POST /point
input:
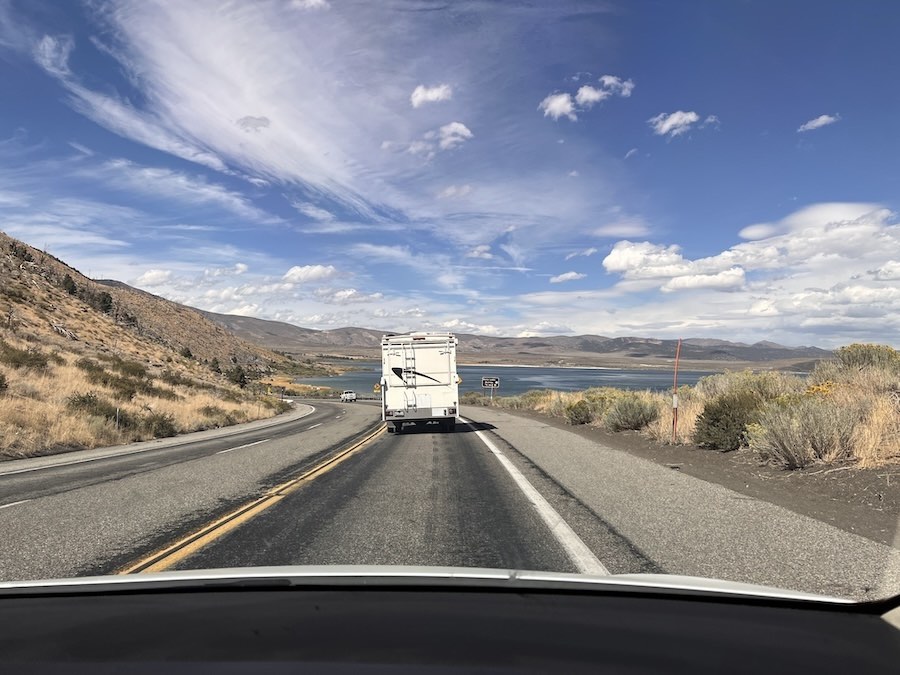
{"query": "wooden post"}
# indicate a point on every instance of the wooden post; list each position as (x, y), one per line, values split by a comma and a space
(675, 395)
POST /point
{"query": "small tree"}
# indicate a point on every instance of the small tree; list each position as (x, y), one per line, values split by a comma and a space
(214, 365)
(68, 284)
(186, 353)
(237, 376)
(4, 384)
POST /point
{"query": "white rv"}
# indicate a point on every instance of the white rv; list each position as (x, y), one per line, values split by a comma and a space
(419, 382)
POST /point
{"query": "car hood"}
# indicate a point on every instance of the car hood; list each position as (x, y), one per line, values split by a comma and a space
(408, 576)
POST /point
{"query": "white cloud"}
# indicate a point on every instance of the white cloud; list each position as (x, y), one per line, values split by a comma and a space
(310, 4)
(423, 94)
(306, 273)
(725, 280)
(809, 216)
(453, 134)
(482, 251)
(673, 124)
(819, 122)
(544, 328)
(237, 269)
(567, 276)
(584, 252)
(588, 96)
(711, 120)
(617, 86)
(562, 104)
(250, 123)
(458, 325)
(889, 271)
(153, 277)
(573, 173)
(346, 296)
(623, 228)
(631, 153)
(558, 105)
(455, 191)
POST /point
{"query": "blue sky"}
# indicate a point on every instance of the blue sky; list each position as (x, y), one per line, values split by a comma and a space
(714, 169)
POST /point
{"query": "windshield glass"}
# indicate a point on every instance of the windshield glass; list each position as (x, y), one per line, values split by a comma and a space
(588, 287)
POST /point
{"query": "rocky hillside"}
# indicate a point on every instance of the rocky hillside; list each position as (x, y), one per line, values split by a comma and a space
(85, 364)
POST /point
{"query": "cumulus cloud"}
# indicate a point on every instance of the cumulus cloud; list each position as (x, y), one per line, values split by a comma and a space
(584, 253)
(558, 105)
(563, 104)
(453, 134)
(889, 271)
(818, 122)
(544, 328)
(567, 276)
(726, 279)
(307, 273)
(153, 277)
(310, 4)
(346, 296)
(423, 94)
(483, 251)
(447, 137)
(673, 124)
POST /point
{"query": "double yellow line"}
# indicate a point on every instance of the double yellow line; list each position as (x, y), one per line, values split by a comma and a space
(186, 546)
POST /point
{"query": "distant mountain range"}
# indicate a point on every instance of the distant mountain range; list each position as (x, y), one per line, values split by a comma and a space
(557, 350)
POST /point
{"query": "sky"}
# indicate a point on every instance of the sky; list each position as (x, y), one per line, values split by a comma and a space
(693, 169)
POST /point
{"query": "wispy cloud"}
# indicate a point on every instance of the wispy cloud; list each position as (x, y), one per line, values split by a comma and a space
(583, 253)
(818, 122)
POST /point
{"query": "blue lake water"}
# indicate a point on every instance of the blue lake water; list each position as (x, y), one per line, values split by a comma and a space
(517, 379)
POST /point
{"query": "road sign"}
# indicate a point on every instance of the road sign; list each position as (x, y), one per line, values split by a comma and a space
(490, 382)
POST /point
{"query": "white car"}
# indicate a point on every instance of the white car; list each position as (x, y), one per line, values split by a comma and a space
(348, 396)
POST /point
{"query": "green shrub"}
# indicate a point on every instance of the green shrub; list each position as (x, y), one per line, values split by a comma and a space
(579, 412)
(186, 353)
(630, 411)
(68, 284)
(32, 358)
(159, 425)
(765, 386)
(4, 384)
(807, 430)
(175, 379)
(237, 375)
(723, 423)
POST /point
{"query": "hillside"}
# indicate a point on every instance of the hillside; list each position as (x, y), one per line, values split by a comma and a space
(583, 350)
(85, 364)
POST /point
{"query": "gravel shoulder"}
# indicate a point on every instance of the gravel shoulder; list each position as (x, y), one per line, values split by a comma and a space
(687, 522)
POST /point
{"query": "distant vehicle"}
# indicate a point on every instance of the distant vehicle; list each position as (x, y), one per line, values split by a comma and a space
(419, 382)
(348, 396)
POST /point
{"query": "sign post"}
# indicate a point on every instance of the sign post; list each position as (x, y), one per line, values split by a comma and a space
(490, 383)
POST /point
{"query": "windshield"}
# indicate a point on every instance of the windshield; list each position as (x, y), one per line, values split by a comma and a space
(587, 287)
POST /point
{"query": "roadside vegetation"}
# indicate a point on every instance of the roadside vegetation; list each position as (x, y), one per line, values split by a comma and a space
(847, 410)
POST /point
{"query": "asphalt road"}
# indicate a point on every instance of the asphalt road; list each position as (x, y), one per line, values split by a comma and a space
(99, 514)
(418, 498)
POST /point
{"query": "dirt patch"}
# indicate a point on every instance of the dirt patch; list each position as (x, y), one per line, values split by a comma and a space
(862, 501)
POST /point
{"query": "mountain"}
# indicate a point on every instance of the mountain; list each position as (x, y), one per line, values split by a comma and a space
(556, 350)
(84, 363)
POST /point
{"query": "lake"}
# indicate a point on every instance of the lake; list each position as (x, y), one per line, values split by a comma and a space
(518, 379)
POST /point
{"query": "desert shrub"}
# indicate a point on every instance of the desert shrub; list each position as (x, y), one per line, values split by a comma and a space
(175, 379)
(4, 384)
(186, 353)
(237, 375)
(723, 423)
(535, 397)
(765, 386)
(868, 356)
(93, 404)
(630, 411)
(89, 365)
(128, 368)
(212, 411)
(805, 431)
(159, 425)
(231, 396)
(31, 358)
(579, 412)
(472, 398)
(214, 365)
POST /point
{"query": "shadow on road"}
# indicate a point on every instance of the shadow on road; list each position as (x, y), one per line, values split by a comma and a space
(434, 428)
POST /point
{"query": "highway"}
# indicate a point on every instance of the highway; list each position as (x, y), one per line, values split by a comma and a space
(327, 486)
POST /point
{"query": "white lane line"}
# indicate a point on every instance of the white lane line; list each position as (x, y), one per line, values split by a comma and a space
(338, 417)
(246, 445)
(6, 506)
(583, 558)
(314, 426)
